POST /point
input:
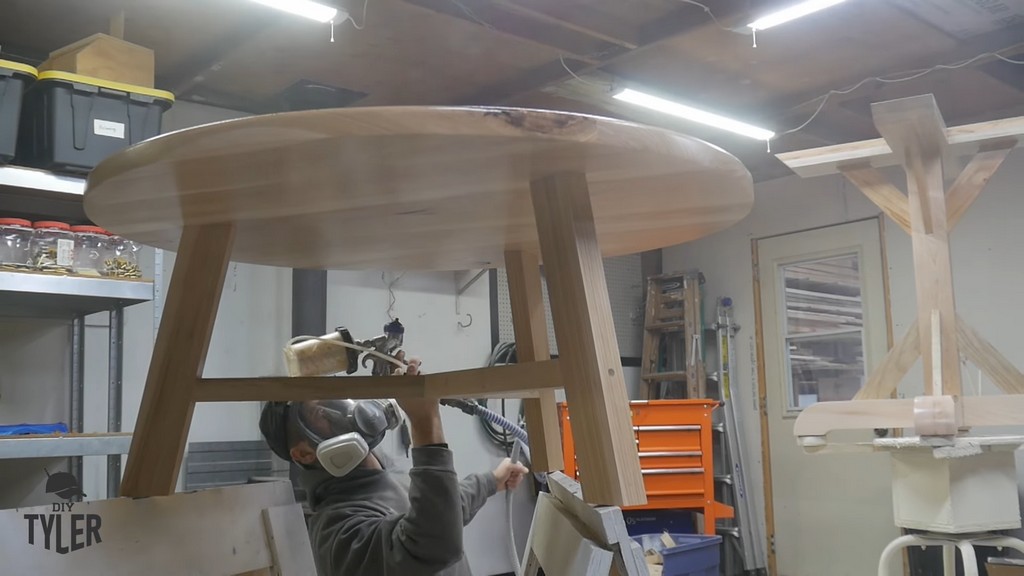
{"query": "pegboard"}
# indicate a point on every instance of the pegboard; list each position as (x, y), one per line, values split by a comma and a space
(625, 290)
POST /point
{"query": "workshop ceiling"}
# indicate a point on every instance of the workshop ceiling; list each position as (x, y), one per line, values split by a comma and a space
(241, 55)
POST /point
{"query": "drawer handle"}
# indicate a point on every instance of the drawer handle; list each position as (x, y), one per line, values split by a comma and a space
(688, 427)
(672, 471)
(666, 454)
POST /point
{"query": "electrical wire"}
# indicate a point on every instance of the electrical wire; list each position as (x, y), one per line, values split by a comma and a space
(573, 74)
(392, 299)
(502, 354)
(903, 77)
(709, 13)
(353, 20)
(472, 15)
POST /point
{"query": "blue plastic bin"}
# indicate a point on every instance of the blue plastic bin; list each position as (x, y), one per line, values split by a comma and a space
(693, 554)
(640, 522)
(24, 429)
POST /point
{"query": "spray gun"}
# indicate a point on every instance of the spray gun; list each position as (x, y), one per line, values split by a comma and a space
(337, 352)
(386, 346)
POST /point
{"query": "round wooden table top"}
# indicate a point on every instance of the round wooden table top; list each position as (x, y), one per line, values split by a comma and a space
(418, 188)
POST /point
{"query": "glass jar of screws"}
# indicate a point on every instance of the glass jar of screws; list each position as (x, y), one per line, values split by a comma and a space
(53, 247)
(123, 259)
(92, 250)
(15, 237)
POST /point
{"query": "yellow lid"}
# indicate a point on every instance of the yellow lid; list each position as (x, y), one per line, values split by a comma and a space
(19, 67)
(69, 77)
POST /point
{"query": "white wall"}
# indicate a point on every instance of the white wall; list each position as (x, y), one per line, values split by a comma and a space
(987, 274)
(34, 369)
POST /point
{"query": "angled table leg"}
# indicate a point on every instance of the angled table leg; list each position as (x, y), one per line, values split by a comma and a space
(527, 299)
(588, 352)
(178, 358)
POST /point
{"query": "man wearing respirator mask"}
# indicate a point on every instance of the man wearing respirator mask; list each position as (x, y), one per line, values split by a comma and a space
(366, 522)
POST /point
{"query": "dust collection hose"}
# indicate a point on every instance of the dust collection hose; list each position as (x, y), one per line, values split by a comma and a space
(474, 409)
(522, 441)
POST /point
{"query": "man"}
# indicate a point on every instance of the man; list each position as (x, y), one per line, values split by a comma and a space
(365, 522)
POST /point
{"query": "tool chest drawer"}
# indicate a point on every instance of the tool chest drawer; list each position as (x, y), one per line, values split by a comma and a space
(674, 443)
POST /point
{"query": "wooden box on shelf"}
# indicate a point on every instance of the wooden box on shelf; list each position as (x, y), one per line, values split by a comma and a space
(105, 57)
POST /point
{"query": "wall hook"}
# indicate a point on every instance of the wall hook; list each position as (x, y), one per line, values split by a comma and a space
(460, 289)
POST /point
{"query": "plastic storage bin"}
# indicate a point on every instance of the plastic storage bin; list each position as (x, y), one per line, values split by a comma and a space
(693, 554)
(53, 247)
(92, 250)
(71, 123)
(124, 259)
(14, 78)
(639, 522)
(15, 244)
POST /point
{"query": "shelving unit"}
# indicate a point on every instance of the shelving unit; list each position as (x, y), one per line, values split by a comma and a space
(71, 445)
(30, 192)
(32, 295)
(40, 194)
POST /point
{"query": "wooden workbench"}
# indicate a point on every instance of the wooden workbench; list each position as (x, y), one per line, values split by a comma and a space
(416, 188)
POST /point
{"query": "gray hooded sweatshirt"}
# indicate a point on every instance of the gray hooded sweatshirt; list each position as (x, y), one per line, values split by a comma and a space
(368, 523)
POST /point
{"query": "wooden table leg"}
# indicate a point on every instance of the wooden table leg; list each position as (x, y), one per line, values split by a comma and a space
(178, 358)
(588, 351)
(914, 129)
(527, 299)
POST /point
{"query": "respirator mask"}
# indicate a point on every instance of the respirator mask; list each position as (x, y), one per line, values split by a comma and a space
(344, 431)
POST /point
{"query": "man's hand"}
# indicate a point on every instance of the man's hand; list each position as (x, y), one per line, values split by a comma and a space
(424, 414)
(509, 474)
(419, 410)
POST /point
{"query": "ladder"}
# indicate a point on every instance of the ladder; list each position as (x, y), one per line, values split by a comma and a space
(673, 350)
(744, 531)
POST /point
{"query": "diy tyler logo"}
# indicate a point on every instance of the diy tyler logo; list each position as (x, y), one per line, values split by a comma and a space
(60, 532)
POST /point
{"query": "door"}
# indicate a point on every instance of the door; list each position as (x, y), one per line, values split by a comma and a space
(824, 327)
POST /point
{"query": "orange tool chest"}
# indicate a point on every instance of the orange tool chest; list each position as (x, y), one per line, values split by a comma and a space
(674, 438)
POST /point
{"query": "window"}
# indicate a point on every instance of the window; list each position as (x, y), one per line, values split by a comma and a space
(824, 329)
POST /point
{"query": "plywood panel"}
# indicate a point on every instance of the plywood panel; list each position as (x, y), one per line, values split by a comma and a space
(218, 531)
(556, 546)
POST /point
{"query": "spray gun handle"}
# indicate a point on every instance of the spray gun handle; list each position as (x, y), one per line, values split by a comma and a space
(468, 407)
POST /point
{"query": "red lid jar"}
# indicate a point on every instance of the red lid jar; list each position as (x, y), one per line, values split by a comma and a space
(15, 240)
(53, 247)
(93, 250)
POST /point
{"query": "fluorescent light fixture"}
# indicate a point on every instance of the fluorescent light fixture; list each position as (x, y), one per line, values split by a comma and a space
(693, 114)
(305, 8)
(792, 13)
